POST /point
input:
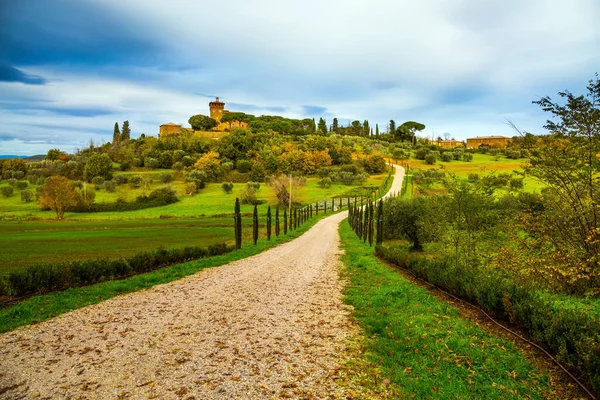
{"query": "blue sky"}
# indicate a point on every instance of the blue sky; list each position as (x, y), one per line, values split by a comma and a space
(70, 69)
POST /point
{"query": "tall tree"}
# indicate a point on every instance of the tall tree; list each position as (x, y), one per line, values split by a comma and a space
(366, 129)
(357, 128)
(201, 122)
(567, 161)
(59, 195)
(116, 134)
(322, 127)
(126, 131)
(377, 130)
(392, 127)
(98, 165)
(334, 126)
(408, 130)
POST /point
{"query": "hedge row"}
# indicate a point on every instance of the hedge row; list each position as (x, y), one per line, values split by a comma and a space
(571, 334)
(43, 278)
(157, 198)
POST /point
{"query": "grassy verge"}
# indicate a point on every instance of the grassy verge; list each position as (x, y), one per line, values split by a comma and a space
(41, 308)
(422, 348)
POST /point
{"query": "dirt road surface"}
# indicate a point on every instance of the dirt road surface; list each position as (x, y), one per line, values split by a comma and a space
(268, 326)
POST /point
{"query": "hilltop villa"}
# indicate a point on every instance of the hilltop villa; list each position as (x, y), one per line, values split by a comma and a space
(217, 110)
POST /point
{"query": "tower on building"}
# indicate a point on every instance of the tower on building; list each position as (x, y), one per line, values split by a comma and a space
(216, 109)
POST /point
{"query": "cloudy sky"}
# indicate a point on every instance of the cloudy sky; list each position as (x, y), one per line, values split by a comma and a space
(70, 69)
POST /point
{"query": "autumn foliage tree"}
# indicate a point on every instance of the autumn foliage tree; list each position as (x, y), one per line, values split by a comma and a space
(210, 164)
(568, 162)
(59, 195)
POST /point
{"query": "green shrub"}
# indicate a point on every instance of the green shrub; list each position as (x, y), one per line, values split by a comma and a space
(447, 156)
(165, 177)
(151, 163)
(7, 191)
(98, 182)
(21, 185)
(110, 186)
(26, 196)
(227, 187)
(570, 332)
(430, 158)
(516, 183)
(244, 166)
(190, 188)
(120, 179)
(325, 182)
(125, 165)
(43, 278)
(196, 176)
(374, 164)
(136, 181)
(468, 157)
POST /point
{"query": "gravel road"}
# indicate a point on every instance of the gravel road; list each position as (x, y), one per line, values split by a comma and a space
(268, 326)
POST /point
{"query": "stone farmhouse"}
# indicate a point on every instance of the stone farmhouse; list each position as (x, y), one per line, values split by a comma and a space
(499, 142)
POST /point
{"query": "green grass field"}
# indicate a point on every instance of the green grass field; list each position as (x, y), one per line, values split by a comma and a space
(23, 244)
(29, 235)
(420, 345)
(482, 164)
(211, 200)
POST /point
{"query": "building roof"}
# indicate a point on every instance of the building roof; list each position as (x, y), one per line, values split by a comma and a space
(172, 124)
(489, 137)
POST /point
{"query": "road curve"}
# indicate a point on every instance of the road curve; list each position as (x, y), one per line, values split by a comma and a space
(268, 326)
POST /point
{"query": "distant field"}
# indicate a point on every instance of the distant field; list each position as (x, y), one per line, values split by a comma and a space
(208, 201)
(26, 243)
(482, 164)
(34, 236)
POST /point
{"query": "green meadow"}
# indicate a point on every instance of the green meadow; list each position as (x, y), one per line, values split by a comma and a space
(481, 164)
(29, 235)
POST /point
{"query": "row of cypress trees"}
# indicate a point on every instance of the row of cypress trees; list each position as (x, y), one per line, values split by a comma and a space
(293, 221)
(364, 219)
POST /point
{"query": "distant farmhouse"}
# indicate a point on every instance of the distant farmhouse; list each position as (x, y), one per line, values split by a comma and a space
(449, 144)
(499, 142)
(217, 110)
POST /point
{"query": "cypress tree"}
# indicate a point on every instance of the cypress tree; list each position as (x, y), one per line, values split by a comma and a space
(370, 225)
(255, 225)
(269, 223)
(116, 134)
(380, 223)
(377, 130)
(126, 131)
(277, 222)
(237, 220)
(285, 221)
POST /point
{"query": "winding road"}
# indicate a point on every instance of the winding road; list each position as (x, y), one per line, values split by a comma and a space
(269, 326)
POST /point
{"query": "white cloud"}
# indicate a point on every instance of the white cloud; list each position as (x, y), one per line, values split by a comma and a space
(376, 60)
